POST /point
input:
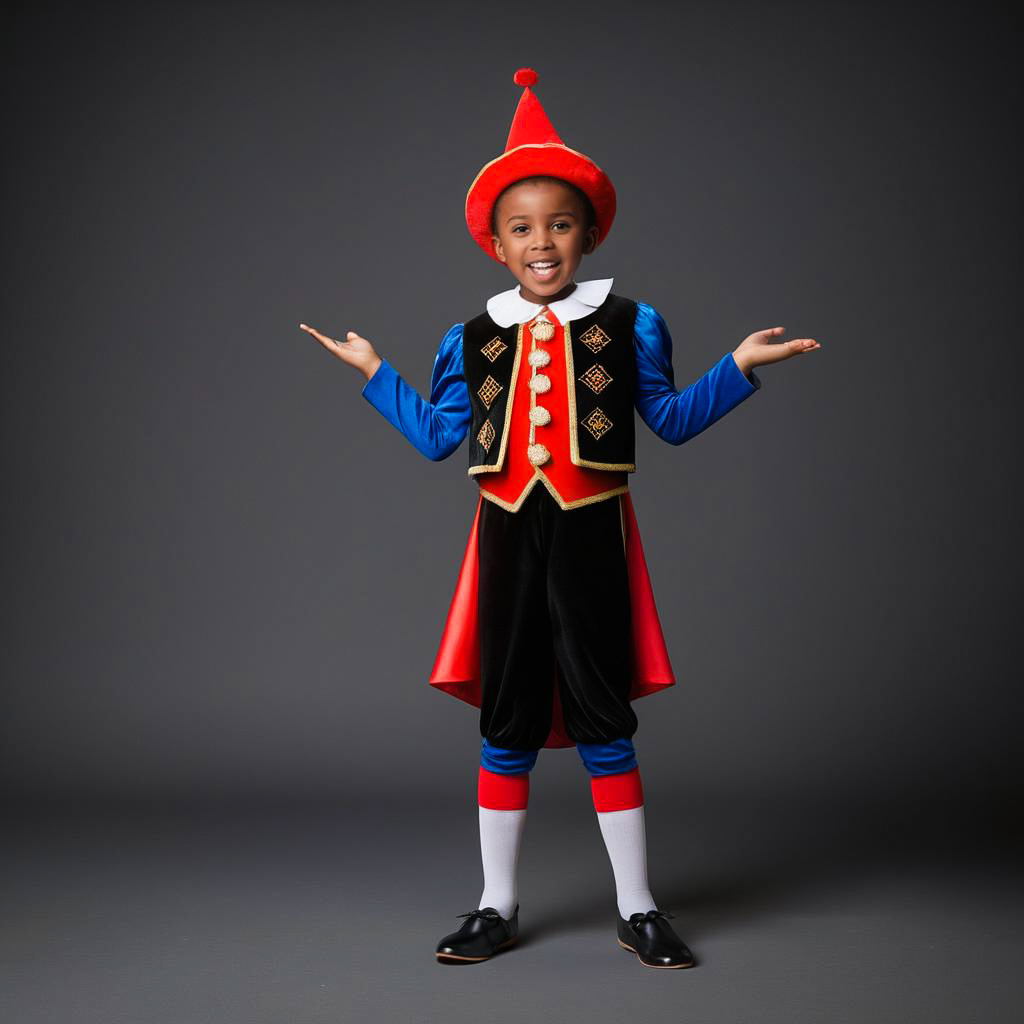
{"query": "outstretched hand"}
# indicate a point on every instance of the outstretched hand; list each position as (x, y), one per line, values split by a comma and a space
(759, 348)
(355, 351)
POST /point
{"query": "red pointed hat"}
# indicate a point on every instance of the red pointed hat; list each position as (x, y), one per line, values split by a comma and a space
(533, 147)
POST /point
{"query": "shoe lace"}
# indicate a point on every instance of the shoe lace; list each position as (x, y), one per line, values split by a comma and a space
(653, 915)
(487, 915)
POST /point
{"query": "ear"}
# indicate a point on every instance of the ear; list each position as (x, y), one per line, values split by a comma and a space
(590, 240)
(499, 249)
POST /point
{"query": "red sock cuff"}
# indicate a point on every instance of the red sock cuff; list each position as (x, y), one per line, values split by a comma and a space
(502, 792)
(617, 792)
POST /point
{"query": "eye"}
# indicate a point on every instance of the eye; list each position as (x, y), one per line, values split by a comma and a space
(516, 231)
(561, 223)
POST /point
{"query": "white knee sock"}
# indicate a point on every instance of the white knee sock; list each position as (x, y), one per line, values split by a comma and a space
(626, 841)
(501, 833)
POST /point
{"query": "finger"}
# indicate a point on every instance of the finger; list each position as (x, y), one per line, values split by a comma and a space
(765, 336)
(795, 347)
(312, 330)
(322, 338)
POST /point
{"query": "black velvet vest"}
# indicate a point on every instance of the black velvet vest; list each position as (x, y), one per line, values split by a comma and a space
(600, 361)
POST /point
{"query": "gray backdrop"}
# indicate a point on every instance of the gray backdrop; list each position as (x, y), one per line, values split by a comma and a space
(226, 572)
(227, 575)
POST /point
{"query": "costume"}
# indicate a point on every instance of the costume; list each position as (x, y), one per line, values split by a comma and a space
(553, 630)
(437, 427)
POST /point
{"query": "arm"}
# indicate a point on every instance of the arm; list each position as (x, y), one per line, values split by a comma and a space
(435, 428)
(677, 416)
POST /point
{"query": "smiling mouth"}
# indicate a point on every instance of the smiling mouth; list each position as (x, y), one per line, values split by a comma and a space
(544, 270)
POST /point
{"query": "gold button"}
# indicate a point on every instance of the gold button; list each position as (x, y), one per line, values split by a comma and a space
(537, 454)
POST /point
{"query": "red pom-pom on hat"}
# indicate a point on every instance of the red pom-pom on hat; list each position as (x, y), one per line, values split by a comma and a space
(525, 76)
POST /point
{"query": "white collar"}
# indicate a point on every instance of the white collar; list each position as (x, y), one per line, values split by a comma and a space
(508, 308)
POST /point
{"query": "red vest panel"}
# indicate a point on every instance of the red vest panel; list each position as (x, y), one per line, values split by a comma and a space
(570, 485)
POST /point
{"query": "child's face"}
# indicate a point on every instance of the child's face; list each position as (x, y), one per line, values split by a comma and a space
(542, 222)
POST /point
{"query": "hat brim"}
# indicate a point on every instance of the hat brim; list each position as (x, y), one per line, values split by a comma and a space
(554, 159)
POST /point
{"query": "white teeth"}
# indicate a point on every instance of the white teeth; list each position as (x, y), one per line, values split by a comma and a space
(540, 266)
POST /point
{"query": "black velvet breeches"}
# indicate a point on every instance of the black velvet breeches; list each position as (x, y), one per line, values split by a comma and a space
(553, 589)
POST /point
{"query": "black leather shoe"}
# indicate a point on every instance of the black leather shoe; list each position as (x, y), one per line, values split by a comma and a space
(483, 934)
(651, 937)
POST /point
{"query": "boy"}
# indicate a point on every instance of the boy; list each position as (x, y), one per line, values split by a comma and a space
(553, 631)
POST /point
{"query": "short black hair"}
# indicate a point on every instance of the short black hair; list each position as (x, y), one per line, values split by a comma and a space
(589, 217)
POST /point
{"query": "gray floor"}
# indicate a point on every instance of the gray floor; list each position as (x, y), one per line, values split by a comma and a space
(301, 914)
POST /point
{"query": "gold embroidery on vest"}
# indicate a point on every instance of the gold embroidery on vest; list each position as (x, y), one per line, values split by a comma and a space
(597, 423)
(494, 348)
(594, 338)
(486, 435)
(574, 443)
(499, 461)
(489, 391)
(597, 378)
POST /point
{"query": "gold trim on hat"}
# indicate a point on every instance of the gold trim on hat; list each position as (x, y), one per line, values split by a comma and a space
(531, 145)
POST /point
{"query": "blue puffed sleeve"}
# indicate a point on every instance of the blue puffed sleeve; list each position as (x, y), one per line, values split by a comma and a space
(676, 416)
(438, 427)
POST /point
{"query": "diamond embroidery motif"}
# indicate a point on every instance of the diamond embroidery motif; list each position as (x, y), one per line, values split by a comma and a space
(489, 391)
(597, 423)
(494, 348)
(594, 338)
(597, 378)
(486, 435)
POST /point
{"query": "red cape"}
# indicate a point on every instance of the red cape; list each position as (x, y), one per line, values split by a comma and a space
(457, 665)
